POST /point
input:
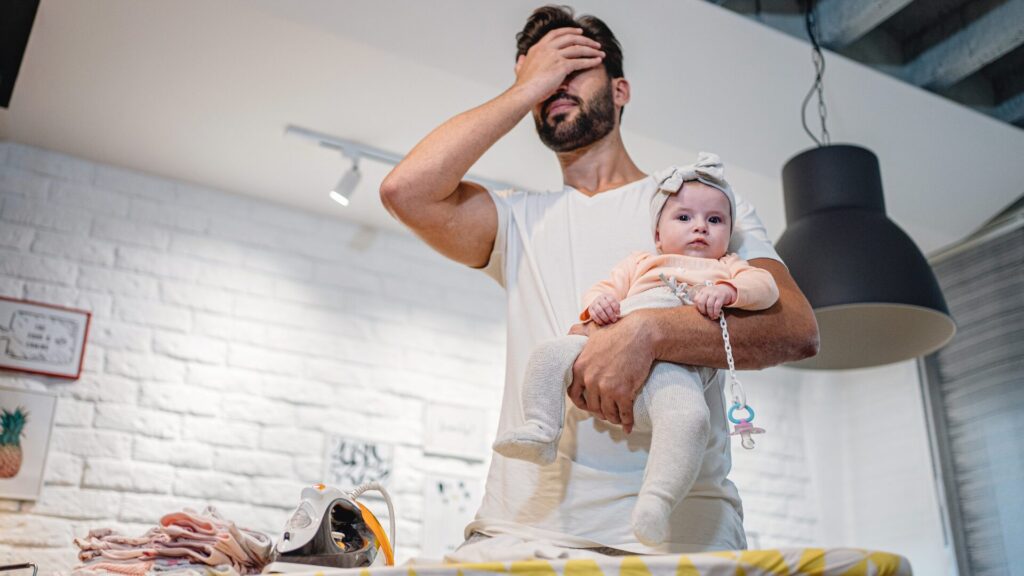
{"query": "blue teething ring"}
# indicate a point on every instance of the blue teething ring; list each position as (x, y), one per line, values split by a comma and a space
(736, 406)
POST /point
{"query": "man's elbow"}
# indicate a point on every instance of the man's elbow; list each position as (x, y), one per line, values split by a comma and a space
(803, 341)
(791, 345)
(391, 194)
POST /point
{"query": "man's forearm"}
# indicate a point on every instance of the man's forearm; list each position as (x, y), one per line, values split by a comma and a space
(426, 192)
(432, 171)
(786, 332)
(683, 336)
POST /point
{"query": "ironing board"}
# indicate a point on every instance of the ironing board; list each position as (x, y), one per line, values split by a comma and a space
(777, 562)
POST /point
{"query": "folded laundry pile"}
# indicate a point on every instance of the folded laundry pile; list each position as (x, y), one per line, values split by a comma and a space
(185, 543)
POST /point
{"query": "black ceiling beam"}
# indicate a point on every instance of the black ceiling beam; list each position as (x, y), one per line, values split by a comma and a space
(975, 46)
(843, 22)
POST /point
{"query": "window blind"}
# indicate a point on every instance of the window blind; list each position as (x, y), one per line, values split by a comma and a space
(974, 390)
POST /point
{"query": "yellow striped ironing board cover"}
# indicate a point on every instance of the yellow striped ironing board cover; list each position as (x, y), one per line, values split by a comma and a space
(776, 562)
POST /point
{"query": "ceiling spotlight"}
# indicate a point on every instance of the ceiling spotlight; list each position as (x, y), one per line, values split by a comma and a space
(343, 190)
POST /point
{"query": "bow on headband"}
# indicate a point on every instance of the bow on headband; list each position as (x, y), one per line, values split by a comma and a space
(708, 169)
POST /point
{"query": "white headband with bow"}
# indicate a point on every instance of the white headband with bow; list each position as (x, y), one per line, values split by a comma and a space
(707, 169)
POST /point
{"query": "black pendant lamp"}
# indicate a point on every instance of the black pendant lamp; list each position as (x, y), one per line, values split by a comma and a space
(874, 295)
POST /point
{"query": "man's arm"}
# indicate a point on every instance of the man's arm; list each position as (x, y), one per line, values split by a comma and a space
(615, 363)
(425, 191)
(786, 332)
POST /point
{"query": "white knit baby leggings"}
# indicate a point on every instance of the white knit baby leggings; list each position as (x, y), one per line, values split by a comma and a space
(671, 405)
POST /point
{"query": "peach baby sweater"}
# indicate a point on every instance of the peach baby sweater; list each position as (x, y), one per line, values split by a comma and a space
(638, 272)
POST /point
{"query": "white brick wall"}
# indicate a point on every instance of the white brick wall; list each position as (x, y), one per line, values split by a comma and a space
(774, 478)
(230, 336)
(875, 476)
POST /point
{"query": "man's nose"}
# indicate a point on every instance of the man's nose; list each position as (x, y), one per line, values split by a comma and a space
(564, 86)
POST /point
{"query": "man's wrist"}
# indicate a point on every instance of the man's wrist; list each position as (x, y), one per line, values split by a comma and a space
(522, 95)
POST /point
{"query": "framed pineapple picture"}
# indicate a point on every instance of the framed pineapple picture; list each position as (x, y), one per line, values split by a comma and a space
(26, 423)
(42, 338)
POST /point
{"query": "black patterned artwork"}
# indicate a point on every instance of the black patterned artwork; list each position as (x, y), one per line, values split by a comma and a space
(350, 462)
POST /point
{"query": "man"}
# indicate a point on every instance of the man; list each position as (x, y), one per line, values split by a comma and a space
(546, 249)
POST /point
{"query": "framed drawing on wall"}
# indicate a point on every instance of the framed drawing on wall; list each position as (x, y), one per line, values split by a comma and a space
(26, 423)
(350, 462)
(458, 431)
(42, 338)
(449, 504)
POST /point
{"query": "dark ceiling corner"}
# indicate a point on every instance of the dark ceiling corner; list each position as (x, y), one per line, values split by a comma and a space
(16, 18)
(969, 51)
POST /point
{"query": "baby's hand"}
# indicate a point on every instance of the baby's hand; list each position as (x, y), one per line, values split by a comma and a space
(604, 309)
(711, 299)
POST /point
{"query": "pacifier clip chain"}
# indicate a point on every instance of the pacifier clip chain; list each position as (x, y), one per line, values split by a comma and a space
(744, 427)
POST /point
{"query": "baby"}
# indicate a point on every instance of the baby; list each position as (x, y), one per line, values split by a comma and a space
(693, 216)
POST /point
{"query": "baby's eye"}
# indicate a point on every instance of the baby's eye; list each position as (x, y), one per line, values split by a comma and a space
(684, 217)
(715, 219)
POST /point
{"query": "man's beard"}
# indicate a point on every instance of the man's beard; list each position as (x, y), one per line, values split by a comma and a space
(594, 120)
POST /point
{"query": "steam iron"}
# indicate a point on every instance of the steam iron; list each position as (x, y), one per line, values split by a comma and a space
(331, 529)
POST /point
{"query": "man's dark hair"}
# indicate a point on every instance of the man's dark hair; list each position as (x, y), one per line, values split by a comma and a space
(548, 18)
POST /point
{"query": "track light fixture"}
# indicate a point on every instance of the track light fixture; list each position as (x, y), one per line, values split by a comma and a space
(342, 191)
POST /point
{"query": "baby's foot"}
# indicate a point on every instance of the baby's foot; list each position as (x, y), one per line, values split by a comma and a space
(650, 519)
(531, 442)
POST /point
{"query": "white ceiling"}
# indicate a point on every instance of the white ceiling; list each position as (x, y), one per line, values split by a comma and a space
(201, 90)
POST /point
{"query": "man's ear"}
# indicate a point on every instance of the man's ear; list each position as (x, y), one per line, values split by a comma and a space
(620, 91)
(519, 63)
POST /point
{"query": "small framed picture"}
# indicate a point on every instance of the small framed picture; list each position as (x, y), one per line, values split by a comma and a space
(449, 503)
(350, 462)
(26, 423)
(457, 431)
(42, 338)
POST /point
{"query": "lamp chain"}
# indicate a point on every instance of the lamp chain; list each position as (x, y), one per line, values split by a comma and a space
(811, 21)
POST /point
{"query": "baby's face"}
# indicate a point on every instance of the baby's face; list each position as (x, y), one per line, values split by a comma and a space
(695, 222)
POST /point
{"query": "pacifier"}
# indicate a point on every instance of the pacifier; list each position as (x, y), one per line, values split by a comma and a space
(743, 427)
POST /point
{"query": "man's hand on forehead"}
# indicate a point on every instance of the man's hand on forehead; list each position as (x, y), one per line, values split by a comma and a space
(558, 54)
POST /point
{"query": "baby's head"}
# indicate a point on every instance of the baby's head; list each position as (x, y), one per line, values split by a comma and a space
(696, 218)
